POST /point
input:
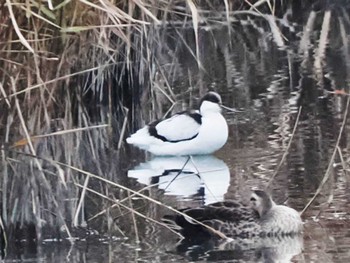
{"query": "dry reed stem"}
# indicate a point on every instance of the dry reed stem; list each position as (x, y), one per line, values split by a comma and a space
(91, 144)
(16, 27)
(199, 175)
(24, 126)
(286, 152)
(122, 200)
(276, 32)
(31, 147)
(200, 66)
(81, 200)
(170, 109)
(4, 171)
(170, 97)
(272, 8)
(129, 209)
(181, 170)
(227, 8)
(125, 122)
(60, 5)
(331, 161)
(37, 5)
(115, 13)
(194, 13)
(132, 210)
(146, 11)
(214, 231)
(30, 88)
(344, 165)
(4, 236)
(40, 17)
(221, 235)
(253, 7)
(258, 3)
(3, 92)
(23, 142)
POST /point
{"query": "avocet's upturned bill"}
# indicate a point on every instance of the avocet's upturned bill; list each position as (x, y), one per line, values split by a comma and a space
(186, 133)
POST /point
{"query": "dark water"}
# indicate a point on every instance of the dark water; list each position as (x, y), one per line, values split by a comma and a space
(269, 84)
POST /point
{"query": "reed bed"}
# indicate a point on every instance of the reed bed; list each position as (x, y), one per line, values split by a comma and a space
(74, 78)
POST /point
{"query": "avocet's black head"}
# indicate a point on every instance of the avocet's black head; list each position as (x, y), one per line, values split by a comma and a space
(261, 202)
(212, 97)
(210, 103)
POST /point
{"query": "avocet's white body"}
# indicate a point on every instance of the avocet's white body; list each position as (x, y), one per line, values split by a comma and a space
(189, 133)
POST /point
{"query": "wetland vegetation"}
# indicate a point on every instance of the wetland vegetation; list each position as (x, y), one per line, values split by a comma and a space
(77, 77)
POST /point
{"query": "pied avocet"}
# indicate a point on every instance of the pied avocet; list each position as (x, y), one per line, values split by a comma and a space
(186, 133)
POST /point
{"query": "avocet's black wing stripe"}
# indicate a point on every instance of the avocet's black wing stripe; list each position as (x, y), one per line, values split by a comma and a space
(180, 127)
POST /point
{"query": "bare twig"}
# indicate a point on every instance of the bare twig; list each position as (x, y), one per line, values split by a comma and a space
(121, 137)
(32, 150)
(81, 200)
(4, 236)
(214, 231)
(286, 152)
(128, 208)
(331, 161)
(181, 170)
(132, 210)
(120, 201)
(25, 141)
(57, 79)
(342, 161)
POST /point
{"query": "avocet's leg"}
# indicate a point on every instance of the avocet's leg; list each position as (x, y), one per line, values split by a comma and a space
(203, 182)
(194, 164)
(180, 171)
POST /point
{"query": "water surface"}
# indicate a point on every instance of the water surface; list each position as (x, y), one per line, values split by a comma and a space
(270, 84)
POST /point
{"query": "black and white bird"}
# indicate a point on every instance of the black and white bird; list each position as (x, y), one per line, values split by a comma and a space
(261, 218)
(186, 133)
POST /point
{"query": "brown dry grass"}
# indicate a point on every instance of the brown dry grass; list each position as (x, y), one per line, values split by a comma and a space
(59, 64)
(72, 76)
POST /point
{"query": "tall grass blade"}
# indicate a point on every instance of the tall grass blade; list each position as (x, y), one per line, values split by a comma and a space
(195, 17)
(17, 29)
